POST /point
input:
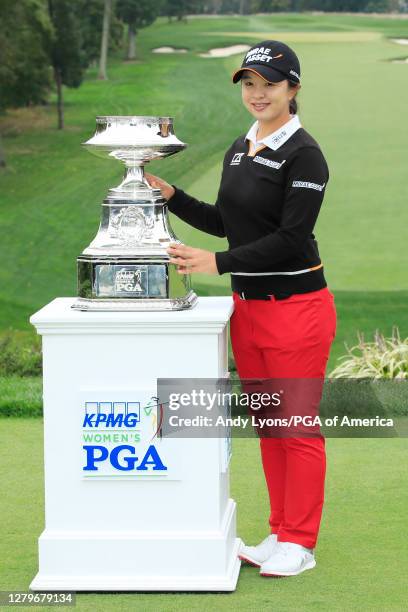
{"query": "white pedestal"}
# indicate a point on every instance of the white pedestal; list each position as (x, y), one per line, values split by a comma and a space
(107, 529)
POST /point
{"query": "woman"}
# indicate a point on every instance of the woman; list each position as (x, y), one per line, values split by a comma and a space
(284, 321)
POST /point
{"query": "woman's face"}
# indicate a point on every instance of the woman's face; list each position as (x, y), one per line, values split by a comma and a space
(265, 101)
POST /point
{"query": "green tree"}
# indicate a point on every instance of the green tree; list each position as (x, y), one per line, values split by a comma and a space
(107, 17)
(274, 6)
(181, 8)
(90, 13)
(136, 14)
(25, 76)
(377, 6)
(66, 52)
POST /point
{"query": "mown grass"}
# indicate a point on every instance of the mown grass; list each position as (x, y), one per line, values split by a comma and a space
(360, 557)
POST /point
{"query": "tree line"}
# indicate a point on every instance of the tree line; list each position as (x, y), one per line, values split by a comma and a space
(46, 44)
(52, 42)
(247, 7)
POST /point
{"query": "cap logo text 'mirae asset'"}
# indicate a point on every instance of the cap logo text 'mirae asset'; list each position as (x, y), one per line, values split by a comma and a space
(260, 54)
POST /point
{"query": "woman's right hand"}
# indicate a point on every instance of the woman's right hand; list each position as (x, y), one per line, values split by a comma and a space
(156, 182)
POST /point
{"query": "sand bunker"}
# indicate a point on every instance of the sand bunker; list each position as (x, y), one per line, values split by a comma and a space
(400, 41)
(226, 51)
(400, 61)
(168, 50)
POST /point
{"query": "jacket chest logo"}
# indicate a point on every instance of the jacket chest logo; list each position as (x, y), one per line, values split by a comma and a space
(236, 160)
(268, 162)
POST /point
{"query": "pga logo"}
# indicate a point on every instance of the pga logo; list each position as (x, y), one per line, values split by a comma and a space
(122, 458)
(104, 425)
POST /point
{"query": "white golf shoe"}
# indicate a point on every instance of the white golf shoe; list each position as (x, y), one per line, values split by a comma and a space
(255, 555)
(288, 559)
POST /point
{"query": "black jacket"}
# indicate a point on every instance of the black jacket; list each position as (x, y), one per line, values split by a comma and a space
(267, 207)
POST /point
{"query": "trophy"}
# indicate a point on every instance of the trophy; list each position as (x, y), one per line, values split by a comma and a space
(126, 266)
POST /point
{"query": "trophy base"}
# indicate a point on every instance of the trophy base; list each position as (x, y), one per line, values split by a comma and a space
(123, 283)
(139, 304)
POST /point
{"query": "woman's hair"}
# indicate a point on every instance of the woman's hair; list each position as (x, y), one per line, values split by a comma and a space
(293, 105)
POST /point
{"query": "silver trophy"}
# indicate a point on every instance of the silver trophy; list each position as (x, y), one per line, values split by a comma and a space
(126, 266)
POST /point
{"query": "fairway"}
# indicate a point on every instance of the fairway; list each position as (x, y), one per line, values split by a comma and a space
(52, 188)
(361, 563)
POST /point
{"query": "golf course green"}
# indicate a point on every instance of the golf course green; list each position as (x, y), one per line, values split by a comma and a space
(353, 101)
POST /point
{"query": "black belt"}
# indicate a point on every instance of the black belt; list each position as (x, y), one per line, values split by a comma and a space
(253, 295)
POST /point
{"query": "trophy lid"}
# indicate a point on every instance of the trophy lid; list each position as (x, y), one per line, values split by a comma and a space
(134, 138)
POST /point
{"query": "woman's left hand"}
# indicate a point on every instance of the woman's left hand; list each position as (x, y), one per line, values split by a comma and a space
(189, 259)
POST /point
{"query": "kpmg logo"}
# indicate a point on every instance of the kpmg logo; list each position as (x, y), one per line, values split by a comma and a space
(117, 439)
(111, 414)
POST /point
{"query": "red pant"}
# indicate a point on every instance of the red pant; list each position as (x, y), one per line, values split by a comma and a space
(288, 338)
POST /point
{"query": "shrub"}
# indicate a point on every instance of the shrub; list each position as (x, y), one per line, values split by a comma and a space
(382, 358)
(20, 354)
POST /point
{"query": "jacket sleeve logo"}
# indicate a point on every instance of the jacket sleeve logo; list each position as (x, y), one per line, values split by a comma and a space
(308, 185)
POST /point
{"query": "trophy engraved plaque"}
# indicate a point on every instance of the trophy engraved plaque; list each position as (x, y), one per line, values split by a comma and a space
(126, 266)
